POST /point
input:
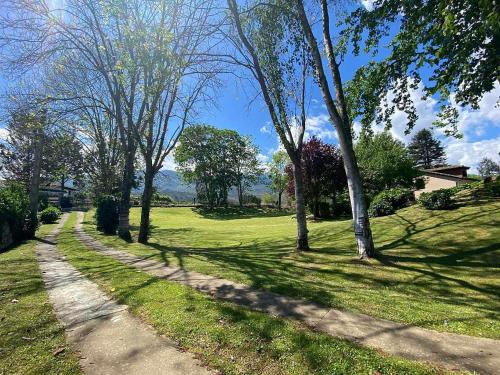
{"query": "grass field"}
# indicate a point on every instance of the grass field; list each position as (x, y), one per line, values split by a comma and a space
(230, 338)
(31, 338)
(436, 269)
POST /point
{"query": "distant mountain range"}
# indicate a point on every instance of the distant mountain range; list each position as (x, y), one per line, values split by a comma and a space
(169, 182)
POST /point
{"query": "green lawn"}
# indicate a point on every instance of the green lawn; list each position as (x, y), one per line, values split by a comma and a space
(437, 269)
(228, 337)
(31, 337)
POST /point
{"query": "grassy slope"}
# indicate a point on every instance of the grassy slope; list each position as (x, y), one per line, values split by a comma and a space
(226, 336)
(29, 330)
(437, 269)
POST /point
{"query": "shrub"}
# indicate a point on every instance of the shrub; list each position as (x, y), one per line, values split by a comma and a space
(50, 215)
(388, 201)
(493, 187)
(324, 209)
(342, 205)
(251, 199)
(43, 201)
(107, 214)
(14, 209)
(436, 200)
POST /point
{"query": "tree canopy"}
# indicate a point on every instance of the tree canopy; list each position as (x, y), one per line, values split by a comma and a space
(385, 163)
(426, 150)
(215, 160)
(456, 40)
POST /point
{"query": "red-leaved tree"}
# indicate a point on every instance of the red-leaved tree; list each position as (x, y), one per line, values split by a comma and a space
(323, 173)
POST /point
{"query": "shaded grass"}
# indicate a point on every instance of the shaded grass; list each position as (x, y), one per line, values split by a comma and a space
(228, 337)
(29, 330)
(436, 269)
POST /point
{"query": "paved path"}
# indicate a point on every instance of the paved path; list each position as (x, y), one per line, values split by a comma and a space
(445, 349)
(108, 338)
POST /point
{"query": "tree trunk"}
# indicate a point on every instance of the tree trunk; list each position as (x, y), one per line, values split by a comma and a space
(302, 238)
(126, 188)
(339, 116)
(279, 200)
(361, 223)
(240, 194)
(146, 205)
(35, 184)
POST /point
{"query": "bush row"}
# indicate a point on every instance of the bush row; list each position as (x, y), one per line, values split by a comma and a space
(388, 201)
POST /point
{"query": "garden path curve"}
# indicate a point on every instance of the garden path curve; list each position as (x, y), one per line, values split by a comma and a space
(107, 337)
(449, 350)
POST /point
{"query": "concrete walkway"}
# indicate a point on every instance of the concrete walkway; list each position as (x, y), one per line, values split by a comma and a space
(108, 338)
(444, 349)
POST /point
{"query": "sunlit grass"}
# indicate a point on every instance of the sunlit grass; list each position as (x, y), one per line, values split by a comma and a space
(226, 336)
(436, 269)
(29, 330)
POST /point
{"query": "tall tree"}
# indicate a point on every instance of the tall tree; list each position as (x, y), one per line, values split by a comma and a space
(444, 45)
(426, 150)
(488, 167)
(278, 175)
(323, 173)
(246, 166)
(66, 156)
(23, 156)
(385, 163)
(338, 111)
(216, 160)
(275, 54)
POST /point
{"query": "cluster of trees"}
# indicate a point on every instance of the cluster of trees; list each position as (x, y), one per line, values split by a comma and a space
(216, 160)
(129, 76)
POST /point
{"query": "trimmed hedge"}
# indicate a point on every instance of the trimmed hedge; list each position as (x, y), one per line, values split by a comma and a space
(437, 200)
(50, 215)
(14, 209)
(107, 214)
(388, 201)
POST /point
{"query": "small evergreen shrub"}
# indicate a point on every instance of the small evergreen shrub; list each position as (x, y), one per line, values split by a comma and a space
(493, 187)
(43, 202)
(14, 209)
(50, 215)
(388, 201)
(436, 200)
(107, 214)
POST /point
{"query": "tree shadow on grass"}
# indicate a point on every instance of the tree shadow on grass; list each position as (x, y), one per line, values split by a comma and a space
(231, 213)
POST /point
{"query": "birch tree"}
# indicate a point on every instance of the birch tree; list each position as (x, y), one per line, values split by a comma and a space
(275, 55)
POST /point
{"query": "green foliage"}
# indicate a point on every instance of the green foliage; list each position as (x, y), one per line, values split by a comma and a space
(384, 163)
(251, 199)
(341, 205)
(216, 160)
(452, 43)
(388, 201)
(488, 168)
(14, 209)
(162, 198)
(426, 150)
(50, 215)
(43, 201)
(493, 188)
(107, 214)
(436, 200)
(277, 173)
(66, 202)
(267, 198)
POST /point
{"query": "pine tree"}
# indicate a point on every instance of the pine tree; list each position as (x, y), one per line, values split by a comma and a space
(426, 150)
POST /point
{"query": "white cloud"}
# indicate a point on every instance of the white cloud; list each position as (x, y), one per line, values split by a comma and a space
(368, 4)
(4, 133)
(169, 163)
(321, 127)
(472, 124)
(471, 153)
(265, 129)
(263, 159)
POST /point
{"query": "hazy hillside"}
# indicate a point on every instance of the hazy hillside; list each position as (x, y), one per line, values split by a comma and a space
(169, 182)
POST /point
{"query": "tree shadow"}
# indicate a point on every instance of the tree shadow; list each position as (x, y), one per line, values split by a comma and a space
(231, 213)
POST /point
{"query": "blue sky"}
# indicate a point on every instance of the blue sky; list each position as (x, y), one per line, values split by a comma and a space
(480, 128)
